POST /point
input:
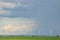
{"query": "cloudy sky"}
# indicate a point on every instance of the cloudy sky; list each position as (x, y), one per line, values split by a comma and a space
(29, 17)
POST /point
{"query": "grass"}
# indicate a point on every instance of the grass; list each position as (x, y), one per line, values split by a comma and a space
(28, 38)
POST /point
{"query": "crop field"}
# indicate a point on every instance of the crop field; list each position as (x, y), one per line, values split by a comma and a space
(28, 38)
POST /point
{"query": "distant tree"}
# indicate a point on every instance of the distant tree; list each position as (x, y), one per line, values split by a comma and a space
(57, 36)
(33, 36)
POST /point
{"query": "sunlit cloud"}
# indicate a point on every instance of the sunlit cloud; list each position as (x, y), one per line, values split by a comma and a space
(18, 26)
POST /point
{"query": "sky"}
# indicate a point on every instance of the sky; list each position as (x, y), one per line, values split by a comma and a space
(30, 17)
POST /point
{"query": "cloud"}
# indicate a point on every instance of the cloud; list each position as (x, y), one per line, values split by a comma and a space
(7, 4)
(17, 26)
(4, 12)
(12, 28)
(10, 5)
(4, 4)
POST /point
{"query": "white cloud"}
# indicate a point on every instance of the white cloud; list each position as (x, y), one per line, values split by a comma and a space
(10, 5)
(7, 4)
(4, 12)
(4, 4)
(17, 25)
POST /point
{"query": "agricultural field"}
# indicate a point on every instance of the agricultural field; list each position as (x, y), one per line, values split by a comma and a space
(28, 38)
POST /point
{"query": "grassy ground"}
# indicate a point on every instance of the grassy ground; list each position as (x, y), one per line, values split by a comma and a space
(28, 38)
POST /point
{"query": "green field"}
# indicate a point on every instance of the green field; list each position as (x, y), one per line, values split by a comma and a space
(28, 38)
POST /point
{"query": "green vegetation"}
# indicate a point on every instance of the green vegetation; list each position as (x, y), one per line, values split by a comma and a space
(28, 38)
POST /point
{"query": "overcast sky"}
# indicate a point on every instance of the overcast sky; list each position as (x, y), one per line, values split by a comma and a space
(29, 17)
